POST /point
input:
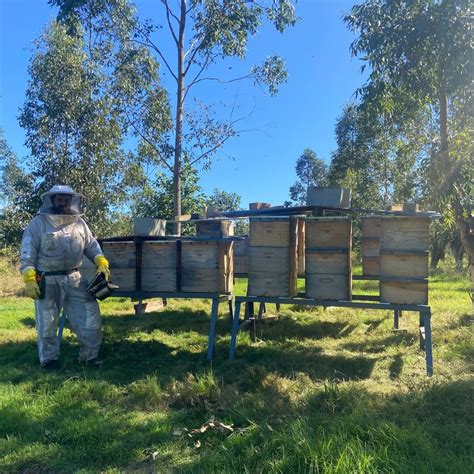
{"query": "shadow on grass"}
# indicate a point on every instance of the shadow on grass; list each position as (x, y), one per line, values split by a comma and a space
(339, 427)
(379, 345)
(28, 322)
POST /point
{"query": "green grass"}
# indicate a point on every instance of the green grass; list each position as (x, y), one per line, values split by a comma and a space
(331, 390)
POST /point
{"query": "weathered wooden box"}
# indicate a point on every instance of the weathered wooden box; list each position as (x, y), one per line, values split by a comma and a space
(327, 286)
(371, 227)
(159, 279)
(404, 292)
(328, 258)
(271, 284)
(405, 233)
(214, 228)
(206, 280)
(370, 247)
(371, 266)
(403, 264)
(328, 232)
(119, 254)
(269, 259)
(273, 256)
(327, 262)
(124, 278)
(207, 266)
(273, 232)
(159, 254)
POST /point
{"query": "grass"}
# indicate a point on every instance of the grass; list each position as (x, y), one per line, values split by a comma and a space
(328, 391)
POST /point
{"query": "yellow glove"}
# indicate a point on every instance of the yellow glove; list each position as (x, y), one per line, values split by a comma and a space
(103, 266)
(31, 286)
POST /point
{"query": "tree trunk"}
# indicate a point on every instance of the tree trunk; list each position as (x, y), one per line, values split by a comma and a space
(177, 169)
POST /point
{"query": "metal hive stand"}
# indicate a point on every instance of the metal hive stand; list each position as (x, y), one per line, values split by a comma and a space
(215, 297)
(423, 310)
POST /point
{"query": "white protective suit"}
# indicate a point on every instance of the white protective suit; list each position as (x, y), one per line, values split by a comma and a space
(57, 243)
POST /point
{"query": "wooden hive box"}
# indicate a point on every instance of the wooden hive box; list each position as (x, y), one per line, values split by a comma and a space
(327, 286)
(241, 257)
(119, 254)
(405, 233)
(159, 263)
(371, 231)
(121, 258)
(404, 259)
(273, 256)
(273, 232)
(333, 232)
(404, 264)
(404, 292)
(328, 258)
(332, 261)
(207, 266)
(215, 228)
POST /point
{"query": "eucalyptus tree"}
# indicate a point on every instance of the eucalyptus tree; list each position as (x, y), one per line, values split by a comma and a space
(310, 171)
(84, 93)
(203, 33)
(420, 54)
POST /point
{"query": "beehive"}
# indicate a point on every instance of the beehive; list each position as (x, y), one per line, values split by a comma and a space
(159, 263)
(241, 257)
(121, 258)
(328, 258)
(214, 228)
(371, 245)
(207, 266)
(404, 260)
(273, 256)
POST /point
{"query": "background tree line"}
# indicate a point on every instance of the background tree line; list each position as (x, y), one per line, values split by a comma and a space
(97, 115)
(408, 134)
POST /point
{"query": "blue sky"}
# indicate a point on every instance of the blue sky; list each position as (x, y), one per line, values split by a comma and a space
(259, 165)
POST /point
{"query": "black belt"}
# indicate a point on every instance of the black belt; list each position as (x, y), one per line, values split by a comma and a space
(61, 272)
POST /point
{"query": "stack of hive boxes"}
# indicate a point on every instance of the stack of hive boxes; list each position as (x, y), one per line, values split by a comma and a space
(204, 266)
(158, 269)
(272, 256)
(241, 257)
(404, 260)
(371, 245)
(207, 266)
(328, 258)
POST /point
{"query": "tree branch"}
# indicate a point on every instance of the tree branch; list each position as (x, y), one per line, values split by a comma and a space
(168, 14)
(143, 137)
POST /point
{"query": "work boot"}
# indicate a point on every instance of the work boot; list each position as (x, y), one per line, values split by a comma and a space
(51, 365)
(95, 363)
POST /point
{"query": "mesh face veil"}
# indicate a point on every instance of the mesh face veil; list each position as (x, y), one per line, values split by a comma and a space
(48, 206)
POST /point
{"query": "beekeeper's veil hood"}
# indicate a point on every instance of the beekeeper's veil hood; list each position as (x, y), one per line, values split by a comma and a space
(76, 200)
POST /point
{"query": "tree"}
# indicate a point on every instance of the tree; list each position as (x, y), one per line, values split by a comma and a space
(156, 198)
(80, 96)
(224, 201)
(310, 171)
(19, 204)
(420, 56)
(203, 33)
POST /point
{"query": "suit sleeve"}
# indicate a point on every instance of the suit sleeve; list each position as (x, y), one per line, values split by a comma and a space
(30, 245)
(91, 246)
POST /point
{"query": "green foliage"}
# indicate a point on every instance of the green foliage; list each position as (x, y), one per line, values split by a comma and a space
(156, 199)
(19, 203)
(224, 201)
(85, 96)
(310, 171)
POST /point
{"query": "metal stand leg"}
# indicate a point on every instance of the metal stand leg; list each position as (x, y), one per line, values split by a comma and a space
(428, 344)
(231, 311)
(235, 330)
(396, 316)
(212, 328)
(422, 332)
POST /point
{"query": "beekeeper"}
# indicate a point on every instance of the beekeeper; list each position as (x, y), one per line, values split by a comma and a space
(52, 249)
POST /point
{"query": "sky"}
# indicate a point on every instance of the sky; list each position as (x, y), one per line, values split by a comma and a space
(259, 165)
